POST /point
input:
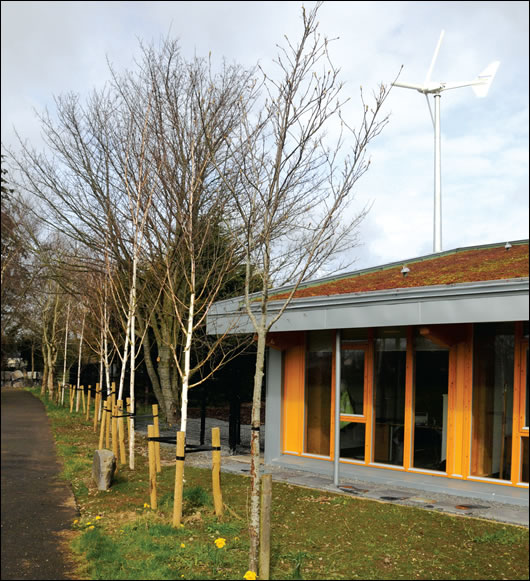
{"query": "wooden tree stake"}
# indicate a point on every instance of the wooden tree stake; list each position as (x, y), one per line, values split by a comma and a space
(104, 420)
(97, 403)
(265, 526)
(115, 447)
(216, 471)
(121, 432)
(179, 478)
(152, 467)
(157, 435)
(108, 423)
(128, 404)
(89, 394)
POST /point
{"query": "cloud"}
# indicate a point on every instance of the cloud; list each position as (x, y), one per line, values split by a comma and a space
(49, 48)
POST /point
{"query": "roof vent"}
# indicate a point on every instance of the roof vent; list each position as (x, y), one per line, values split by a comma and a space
(405, 270)
(507, 246)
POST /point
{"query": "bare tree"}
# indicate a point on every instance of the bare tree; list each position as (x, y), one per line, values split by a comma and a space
(194, 113)
(295, 183)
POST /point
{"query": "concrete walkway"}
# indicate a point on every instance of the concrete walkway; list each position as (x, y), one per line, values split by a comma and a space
(37, 507)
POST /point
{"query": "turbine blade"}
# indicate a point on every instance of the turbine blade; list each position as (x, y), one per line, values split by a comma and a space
(486, 78)
(408, 86)
(435, 56)
(430, 111)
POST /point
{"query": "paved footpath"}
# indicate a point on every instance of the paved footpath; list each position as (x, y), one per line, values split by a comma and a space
(37, 506)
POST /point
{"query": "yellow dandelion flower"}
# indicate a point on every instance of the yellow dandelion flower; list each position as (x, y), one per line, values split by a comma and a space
(91, 527)
(88, 523)
(146, 505)
(220, 542)
(76, 521)
(98, 517)
(182, 545)
(250, 576)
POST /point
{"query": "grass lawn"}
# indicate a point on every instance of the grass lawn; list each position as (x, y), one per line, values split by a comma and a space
(315, 535)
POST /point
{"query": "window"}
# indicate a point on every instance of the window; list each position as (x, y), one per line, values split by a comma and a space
(352, 401)
(492, 402)
(431, 379)
(389, 397)
(319, 356)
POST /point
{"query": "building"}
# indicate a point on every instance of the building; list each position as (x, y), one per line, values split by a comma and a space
(417, 367)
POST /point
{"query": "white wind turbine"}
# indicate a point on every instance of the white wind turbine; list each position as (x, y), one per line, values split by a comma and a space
(480, 86)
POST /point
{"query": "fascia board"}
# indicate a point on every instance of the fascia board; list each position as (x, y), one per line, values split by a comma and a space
(467, 302)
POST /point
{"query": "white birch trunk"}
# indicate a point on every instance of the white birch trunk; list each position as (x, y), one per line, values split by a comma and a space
(101, 364)
(106, 347)
(125, 357)
(187, 365)
(65, 351)
(133, 359)
(79, 363)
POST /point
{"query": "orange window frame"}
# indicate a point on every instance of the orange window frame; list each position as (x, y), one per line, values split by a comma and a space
(365, 418)
(519, 431)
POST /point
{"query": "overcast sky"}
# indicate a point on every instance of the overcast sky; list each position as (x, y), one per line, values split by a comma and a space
(49, 48)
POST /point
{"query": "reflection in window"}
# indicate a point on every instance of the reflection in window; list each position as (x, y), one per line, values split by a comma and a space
(352, 382)
(389, 398)
(492, 411)
(431, 380)
(318, 393)
(352, 436)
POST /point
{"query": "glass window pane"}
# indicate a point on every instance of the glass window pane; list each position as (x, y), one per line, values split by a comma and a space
(352, 382)
(493, 365)
(352, 436)
(389, 398)
(318, 394)
(431, 380)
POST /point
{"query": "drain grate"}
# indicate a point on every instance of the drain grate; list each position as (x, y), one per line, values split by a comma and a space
(393, 497)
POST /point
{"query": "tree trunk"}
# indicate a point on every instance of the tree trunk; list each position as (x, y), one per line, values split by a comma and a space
(166, 384)
(187, 360)
(255, 453)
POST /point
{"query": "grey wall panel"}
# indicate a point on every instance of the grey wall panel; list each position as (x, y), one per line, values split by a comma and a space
(273, 407)
(478, 302)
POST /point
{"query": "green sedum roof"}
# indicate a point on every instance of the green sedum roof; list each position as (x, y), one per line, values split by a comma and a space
(463, 265)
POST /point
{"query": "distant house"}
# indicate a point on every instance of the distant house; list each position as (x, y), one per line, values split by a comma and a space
(418, 367)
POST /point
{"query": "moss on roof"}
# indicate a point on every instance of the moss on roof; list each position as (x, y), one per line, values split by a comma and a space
(465, 265)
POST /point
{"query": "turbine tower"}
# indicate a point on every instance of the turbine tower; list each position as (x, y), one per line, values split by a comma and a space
(480, 86)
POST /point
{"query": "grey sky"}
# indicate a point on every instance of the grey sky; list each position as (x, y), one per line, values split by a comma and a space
(49, 48)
